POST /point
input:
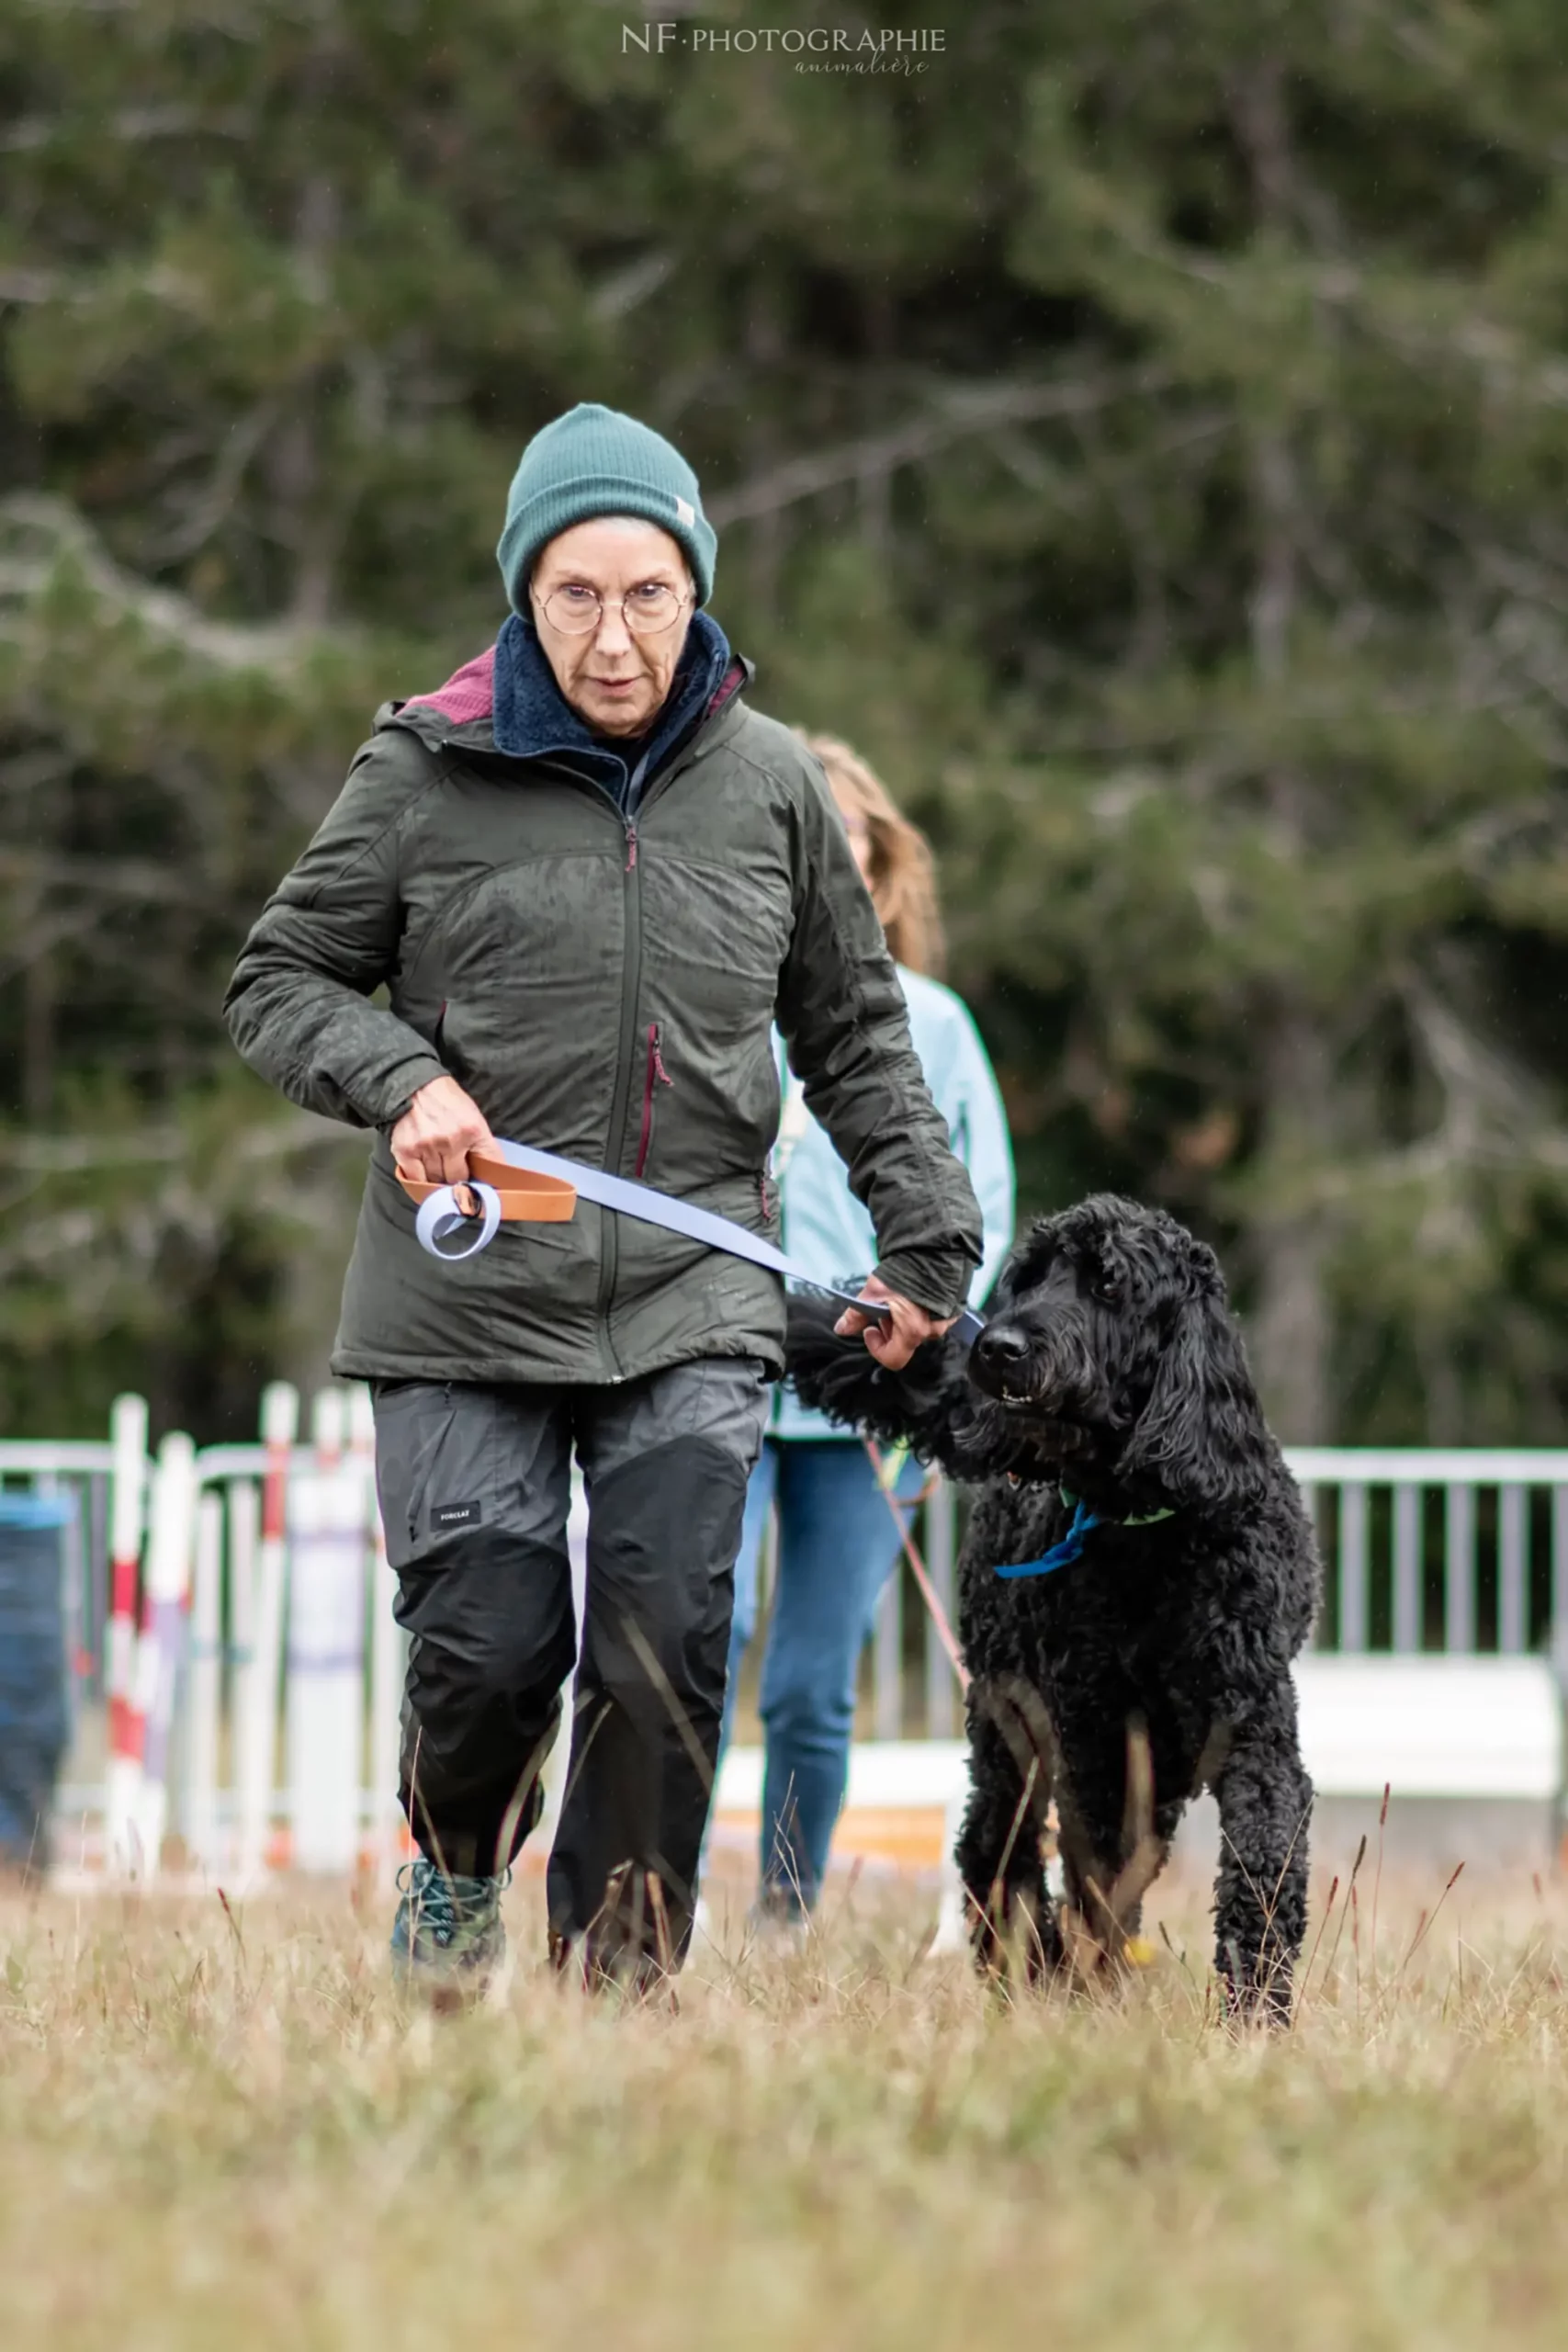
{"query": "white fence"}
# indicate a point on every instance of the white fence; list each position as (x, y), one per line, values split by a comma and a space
(232, 1609)
(1461, 1552)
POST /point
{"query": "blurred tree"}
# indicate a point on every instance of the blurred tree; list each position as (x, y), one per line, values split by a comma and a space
(1139, 432)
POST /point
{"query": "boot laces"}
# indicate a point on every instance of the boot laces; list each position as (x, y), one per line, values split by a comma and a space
(446, 1901)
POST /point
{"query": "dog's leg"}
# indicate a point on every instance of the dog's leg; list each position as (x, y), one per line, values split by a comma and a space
(999, 1846)
(1265, 1800)
(1116, 1830)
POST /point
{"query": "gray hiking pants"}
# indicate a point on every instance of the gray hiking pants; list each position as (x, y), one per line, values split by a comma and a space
(475, 1486)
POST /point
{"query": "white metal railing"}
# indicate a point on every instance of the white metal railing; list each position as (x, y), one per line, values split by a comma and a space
(1459, 1550)
(1462, 1551)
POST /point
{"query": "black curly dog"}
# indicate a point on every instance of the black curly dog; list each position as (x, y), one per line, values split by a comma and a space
(1111, 1375)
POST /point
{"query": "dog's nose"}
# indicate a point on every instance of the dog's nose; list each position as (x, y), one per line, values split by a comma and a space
(1001, 1348)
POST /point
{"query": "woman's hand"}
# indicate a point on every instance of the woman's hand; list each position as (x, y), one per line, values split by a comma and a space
(894, 1342)
(431, 1141)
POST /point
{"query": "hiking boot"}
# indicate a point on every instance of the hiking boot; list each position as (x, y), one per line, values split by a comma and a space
(447, 1936)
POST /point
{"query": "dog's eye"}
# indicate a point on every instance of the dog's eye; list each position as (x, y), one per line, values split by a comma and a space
(1107, 1290)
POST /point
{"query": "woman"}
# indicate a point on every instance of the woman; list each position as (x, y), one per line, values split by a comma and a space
(838, 1541)
(588, 876)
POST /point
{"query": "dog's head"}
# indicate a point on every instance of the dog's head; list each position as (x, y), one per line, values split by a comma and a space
(1111, 1352)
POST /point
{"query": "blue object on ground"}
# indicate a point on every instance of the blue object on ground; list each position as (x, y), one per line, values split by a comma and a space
(34, 1718)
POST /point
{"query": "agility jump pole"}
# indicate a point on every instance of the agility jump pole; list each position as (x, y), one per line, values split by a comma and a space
(204, 1654)
(325, 1716)
(259, 1624)
(128, 1433)
(171, 1532)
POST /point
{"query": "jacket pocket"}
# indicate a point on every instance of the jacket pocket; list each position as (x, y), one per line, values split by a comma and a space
(655, 1076)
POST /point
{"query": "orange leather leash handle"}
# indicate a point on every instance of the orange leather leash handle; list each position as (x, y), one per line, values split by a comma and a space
(524, 1199)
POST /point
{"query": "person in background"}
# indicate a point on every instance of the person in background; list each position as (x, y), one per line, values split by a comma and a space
(838, 1540)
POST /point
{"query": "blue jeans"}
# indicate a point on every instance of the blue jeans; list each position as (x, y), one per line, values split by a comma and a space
(837, 1547)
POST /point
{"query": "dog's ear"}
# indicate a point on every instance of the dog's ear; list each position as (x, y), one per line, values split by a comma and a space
(1202, 1438)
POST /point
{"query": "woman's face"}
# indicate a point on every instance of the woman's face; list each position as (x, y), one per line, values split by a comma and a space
(858, 828)
(614, 676)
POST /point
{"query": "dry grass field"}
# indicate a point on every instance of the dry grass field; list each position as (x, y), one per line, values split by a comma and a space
(236, 2136)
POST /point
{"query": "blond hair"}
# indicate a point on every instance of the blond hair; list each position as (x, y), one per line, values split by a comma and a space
(903, 877)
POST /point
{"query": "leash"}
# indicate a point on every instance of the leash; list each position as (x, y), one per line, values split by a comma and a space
(515, 1184)
(1070, 1548)
(886, 1479)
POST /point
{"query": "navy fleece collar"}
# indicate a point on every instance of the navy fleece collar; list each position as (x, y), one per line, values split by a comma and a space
(532, 717)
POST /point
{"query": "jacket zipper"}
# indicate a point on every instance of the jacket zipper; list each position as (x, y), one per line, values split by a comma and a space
(626, 1056)
(620, 1104)
(656, 1075)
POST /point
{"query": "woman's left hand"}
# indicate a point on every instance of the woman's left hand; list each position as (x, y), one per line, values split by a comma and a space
(892, 1342)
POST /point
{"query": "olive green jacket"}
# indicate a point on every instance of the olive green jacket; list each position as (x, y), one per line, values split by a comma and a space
(603, 988)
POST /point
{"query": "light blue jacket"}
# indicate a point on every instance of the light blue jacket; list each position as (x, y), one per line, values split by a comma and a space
(825, 1227)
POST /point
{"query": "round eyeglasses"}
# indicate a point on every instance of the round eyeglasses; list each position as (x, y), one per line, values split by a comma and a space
(645, 610)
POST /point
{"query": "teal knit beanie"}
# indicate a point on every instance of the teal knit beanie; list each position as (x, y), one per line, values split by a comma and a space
(593, 462)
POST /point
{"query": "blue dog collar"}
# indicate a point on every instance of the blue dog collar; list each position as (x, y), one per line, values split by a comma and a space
(1070, 1548)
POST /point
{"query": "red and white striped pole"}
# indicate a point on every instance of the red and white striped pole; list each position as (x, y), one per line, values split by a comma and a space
(128, 1432)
